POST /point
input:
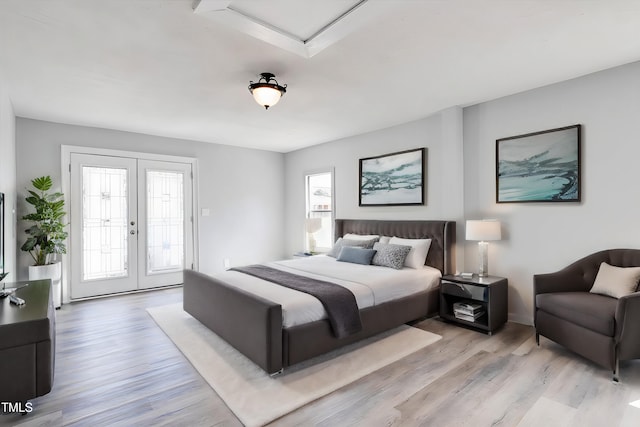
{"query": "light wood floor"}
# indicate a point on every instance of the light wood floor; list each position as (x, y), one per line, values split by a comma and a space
(114, 366)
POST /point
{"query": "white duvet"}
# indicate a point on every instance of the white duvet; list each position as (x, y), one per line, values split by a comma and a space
(370, 284)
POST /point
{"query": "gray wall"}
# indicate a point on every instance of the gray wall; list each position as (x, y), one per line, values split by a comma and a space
(544, 237)
(537, 237)
(441, 134)
(8, 178)
(250, 192)
(243, 188)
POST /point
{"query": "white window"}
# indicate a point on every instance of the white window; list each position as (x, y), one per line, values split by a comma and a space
(319, 218)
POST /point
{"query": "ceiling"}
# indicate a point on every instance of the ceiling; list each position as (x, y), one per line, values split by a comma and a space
(159, 67)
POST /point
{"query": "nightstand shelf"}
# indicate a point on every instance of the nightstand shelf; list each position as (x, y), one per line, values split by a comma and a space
(489, 293)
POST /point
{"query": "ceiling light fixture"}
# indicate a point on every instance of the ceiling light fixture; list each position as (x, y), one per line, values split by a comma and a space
(266, 91)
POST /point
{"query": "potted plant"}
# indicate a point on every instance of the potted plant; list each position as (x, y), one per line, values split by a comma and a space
(46, 235)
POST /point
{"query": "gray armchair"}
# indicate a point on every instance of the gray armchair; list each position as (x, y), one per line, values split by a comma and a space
(598, 327)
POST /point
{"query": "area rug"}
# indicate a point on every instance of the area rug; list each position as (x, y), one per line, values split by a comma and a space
(255, 397)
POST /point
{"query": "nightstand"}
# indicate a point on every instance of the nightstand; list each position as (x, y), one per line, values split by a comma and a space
(477, 302)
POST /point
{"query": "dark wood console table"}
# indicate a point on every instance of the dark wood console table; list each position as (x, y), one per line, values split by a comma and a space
(27, 342)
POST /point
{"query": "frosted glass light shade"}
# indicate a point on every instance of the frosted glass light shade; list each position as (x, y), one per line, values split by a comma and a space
(267, 91)
(483, 230)
(266, 96)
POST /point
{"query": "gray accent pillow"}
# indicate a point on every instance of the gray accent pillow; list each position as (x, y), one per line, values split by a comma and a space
(340, 243)
(356, 255)
(390, 255)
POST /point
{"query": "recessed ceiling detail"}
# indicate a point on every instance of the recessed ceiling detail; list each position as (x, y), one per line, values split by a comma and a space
(302, 27)
(179, 74)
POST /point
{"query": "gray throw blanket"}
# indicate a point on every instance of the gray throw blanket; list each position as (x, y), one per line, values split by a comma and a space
(339, 302)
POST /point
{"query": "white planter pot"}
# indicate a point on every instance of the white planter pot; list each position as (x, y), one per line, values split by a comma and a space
(49, 271)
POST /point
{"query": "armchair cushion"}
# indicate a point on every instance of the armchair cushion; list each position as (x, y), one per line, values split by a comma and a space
(592, 311)
(616, 281)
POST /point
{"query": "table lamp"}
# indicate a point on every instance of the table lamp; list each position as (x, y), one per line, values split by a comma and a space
(311, 225)
(483, 230)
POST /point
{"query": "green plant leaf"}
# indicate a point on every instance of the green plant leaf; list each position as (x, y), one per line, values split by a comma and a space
(33, 200)
(29, 244)
(44, 183)
(54, 197)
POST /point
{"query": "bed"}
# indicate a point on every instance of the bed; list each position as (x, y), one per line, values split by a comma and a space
(256, 327)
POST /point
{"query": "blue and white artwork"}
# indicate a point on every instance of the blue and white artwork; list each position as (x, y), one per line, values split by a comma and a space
(393, 179)
(540, 167)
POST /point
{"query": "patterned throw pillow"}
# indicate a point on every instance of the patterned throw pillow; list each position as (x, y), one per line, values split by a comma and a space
(340, 243)
(390, 255)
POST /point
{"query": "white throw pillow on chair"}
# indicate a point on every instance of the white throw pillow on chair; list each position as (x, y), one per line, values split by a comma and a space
(616, 282)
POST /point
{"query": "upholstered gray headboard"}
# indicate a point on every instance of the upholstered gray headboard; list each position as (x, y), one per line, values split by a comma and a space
(442, 234)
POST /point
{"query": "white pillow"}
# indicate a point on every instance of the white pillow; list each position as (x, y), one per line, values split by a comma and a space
(351, 236)
(384, 239)
(418, 253)
(616, 281)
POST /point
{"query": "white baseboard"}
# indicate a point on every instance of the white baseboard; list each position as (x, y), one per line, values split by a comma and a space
(518, 318)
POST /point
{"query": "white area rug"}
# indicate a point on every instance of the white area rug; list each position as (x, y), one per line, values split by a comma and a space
(254, 396)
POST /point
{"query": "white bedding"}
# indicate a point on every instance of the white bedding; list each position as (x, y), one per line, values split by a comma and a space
(370, 284)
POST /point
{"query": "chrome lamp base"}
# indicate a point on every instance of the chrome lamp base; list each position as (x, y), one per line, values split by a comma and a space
(483, 258)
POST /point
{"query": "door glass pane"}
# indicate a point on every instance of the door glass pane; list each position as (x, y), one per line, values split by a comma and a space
(104, 223)
(165, 221)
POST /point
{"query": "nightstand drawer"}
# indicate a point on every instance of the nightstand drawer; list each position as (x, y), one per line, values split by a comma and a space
(478, 293)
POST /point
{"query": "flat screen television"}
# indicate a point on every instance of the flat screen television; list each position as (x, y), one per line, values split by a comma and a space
(1, 236)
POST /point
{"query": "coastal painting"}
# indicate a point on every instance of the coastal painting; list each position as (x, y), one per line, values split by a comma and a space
(395, 179)
(539, 167)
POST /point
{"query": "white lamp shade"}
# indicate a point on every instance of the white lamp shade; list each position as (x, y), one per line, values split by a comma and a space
(311, 225)
(266, 96)
(483, 230)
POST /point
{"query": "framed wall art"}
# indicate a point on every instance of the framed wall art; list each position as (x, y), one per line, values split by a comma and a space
(539, 167)
(395, 179)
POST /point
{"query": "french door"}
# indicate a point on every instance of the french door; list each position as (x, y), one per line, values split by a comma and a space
(131, 224)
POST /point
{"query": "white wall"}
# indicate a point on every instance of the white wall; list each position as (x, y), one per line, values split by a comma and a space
(544, 237)
(243, 188)
(537, 237)
(8, 177)
(441, 134)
